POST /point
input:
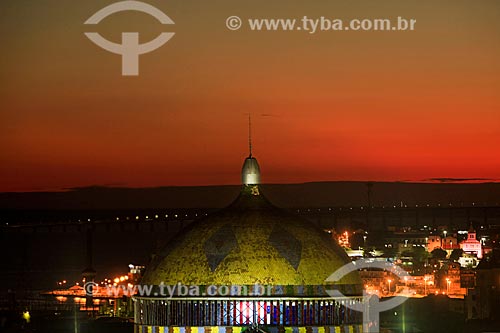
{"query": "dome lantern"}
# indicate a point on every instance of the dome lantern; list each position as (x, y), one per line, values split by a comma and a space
(250, 173)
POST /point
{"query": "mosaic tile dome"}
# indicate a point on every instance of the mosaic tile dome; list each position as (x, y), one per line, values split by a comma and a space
(251, 242)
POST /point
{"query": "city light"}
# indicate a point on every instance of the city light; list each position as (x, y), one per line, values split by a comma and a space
(343, 240)
(27, 316)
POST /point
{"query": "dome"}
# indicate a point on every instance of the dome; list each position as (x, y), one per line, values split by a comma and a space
(251, 242)
(269, 268)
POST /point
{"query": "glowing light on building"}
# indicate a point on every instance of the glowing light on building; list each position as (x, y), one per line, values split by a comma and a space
(472, 245)
(344, 240)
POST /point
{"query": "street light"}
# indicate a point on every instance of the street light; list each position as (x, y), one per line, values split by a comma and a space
(448, 282)
(425, 285)
(389, 281)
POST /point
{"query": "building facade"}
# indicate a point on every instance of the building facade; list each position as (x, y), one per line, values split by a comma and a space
(472, 245)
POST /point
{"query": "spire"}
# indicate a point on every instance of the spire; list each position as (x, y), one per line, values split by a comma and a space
(250, 134)
(250, 173)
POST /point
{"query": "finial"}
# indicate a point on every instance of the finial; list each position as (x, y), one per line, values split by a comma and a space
(250, 134)
(250, 173)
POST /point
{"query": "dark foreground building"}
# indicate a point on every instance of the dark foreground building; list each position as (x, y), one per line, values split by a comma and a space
(251, 266)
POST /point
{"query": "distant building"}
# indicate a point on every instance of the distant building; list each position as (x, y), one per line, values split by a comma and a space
(375, 281)
(405, 241)
(449, 243)
(471, 244)
(467, 278)
(449, 279)
(135, 273)
(484, 301)
(468, 260)
(433, 242)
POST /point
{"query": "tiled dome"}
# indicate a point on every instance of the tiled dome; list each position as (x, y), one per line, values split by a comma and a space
(251, 242)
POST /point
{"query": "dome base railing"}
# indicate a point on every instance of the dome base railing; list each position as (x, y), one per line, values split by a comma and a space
(244, 312)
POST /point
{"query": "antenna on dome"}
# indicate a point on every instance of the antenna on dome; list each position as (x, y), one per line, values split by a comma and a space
(250, 173)
(250, 133)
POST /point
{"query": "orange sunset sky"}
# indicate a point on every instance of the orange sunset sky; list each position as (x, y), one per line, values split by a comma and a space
(326, 106)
